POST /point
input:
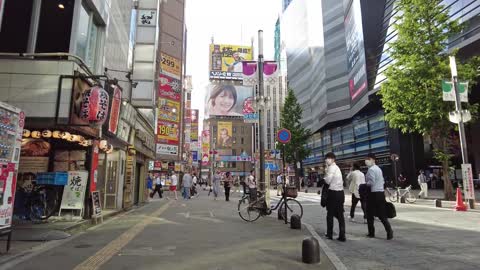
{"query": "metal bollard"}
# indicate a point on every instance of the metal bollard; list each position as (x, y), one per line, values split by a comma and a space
(438, 203)
(295, 222)
(402, 199)
(279, 214)
(310, 251)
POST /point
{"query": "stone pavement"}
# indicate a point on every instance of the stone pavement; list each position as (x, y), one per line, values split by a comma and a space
(197, 234)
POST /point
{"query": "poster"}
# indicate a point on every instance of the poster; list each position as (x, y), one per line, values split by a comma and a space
(74, 192)
(226, 99)
(170, 65)
(467, 176)
(249, 113)
(97, 205)
(167, 132)
(226, 61)
(195, 156)
(166, 149)
(194, 126)
(169, 87)
(224, 136)
(205, 147)
(356, 62)
(168, 110)
(94, 167)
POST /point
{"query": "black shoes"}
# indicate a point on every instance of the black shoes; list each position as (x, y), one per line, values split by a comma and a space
(342, 239)
(328, 237)
(370, 235)
(390, 235)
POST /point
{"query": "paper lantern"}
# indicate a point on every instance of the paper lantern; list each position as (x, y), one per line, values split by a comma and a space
(36, 134)
(81, 138)
(94, 105)
(103, 145)
(88, 142)
(26, 133)
(46, 134)
(57, 134)
(109, 149)
(72, 138)
(65, 135)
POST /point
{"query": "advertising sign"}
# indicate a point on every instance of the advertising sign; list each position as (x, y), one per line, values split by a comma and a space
(74, 191)
(170, 65)
(94, 167)
(449, 95)
(169, 87)
(194, 127)
(205, 147)
(250, 73)
(167, 132)
(468, 187)
(168, 110)
(355, 50)
(226, 61)
(270, 73)
(8, 180)
(226, 99)
(97, 206)
(115, 110)
(249, 113)
(166, 149)
(224, 136)
(195, 155)
(147, 18)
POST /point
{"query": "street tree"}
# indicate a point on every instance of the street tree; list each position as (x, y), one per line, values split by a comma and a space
(296, 150)
(412, 94)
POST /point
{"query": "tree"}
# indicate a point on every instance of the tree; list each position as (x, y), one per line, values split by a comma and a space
(295, 151)
(412, 95)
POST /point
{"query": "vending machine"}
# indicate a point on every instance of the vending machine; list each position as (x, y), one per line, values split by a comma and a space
(12, 121)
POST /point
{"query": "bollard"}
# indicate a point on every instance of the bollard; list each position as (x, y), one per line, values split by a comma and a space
(279, 214)
(402, 199)
(310, 251)
(306, 190)
(438, 203)
(295, 222)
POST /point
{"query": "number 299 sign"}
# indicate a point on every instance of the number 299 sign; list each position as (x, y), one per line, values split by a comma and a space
(170, 65)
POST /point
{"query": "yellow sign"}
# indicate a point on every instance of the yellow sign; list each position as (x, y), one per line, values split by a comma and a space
(167, 132)
(224, 136)
(168, 110)
(226, 60)
(170, 65)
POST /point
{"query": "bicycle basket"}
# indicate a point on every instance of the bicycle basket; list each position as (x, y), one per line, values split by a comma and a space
(292, 192)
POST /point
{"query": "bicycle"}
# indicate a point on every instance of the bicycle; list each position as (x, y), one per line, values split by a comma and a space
(251, 211)
(41, 201)
(399, 193)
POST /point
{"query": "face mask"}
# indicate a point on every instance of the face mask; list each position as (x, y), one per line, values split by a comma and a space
(369, 163)
(329, 161)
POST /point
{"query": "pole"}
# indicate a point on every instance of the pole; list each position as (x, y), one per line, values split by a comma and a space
(284, 193)
(260, 118)
(458, 109)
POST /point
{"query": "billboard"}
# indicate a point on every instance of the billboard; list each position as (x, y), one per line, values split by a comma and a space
(224, 135)
(170, 65)
(226, 61)
(166, 149)
(194, 126)
(226, 99)
(169, 87)
(356, 63)
(205, 147)
(168, 110)
(167, 132)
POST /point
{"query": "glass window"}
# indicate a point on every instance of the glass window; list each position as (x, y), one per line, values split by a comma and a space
(234, 129)
(242, 140)
(362, 146)
(347, 134)
(380, 142)
(87, 38)
(361, 130)
(336, 137)
(377, 123)
(82, 33)
(326, 138)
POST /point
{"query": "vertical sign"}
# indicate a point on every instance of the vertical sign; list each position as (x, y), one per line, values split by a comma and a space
(94, 168)
(74, 191)
(115, 110)
(468, 187)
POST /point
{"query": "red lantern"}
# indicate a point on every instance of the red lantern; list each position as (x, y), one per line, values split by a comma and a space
(94, 105)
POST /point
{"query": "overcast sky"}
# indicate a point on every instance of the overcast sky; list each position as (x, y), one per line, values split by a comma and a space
(232, 22)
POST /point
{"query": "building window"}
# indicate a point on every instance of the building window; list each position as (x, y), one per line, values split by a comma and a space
(234, 152)
(88, 38)
(215, 129)
(243, 129)
(234, 129)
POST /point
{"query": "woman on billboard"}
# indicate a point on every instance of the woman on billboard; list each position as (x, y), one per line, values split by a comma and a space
(222, 100)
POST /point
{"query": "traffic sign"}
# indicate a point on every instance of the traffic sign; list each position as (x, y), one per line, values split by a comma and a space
(284, 136)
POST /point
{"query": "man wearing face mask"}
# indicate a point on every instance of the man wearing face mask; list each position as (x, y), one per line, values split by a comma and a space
(335, 197)
(376, 198)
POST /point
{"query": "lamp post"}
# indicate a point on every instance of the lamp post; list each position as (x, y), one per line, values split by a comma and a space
(261, 109)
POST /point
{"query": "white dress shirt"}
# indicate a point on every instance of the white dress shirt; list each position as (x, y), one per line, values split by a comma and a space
(356, 178)
(334, 178)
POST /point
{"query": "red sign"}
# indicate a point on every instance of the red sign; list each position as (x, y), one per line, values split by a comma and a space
(94, 168)
(94, 105)
(169, 87)
(115, 110)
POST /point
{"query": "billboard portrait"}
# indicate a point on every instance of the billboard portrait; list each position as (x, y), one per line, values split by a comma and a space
(168, 110)
(167, 132)
(169, 87)
(226, 99)
(226, 61)
(224, 135)
(205, 147)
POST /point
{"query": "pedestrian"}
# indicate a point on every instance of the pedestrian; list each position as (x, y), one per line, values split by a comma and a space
(227, 182)
(216, 184)
(173, 185)
(194, 186)
(186, 185)
(356, 178)
(236, 184)
(402, 181)
(376, 198)
(279, 184)
(158, 187)
(149, 184)
(252, 186)
(335, 198)
(422, 181)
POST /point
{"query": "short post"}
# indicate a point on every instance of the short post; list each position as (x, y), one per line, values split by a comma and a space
(310, 251)
(295, 222)
(402, 199)
(438, 203)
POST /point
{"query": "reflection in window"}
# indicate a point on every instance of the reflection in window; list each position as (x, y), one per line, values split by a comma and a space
(88, 34)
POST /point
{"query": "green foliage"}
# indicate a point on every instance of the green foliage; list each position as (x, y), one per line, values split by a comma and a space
(290, 119)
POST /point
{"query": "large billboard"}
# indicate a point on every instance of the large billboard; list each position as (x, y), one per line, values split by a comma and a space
(224, 135)
(226, 61)
(226, 99)
(168, 110)
(194, 127)
(167, 132)
(170, 65)
(205, 146)
(169, 87)
(357, 69)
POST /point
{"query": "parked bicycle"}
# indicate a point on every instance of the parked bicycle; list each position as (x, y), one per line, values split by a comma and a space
(395, 194)
(251, 211)
(41, 202)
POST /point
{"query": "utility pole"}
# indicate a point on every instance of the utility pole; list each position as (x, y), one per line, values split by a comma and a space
(261, 109)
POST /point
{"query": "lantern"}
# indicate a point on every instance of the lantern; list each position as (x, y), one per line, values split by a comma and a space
(36, 134)
(57, 134)
(81, 138)
(26, 133)
(94, 106)
(65, 135)
(109, 149)
(88, 142)
(72, 138)
(103, 145)
(46, 133)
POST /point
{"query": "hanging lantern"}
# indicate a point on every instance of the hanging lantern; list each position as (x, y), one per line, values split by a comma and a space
(26, 133)
(94, 105)
(65, 135)
(81, 138)
(109, 149)
(57, 134)
(88, 142)
(72, 138)
(36, 134)
(46, 134)
(103, 145)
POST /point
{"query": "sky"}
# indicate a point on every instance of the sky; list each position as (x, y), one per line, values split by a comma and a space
(232, 22)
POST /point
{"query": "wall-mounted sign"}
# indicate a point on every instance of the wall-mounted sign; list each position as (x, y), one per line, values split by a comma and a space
(165, 149)
(170, 65)
(147, 17)
(115, 110)
(169, 87)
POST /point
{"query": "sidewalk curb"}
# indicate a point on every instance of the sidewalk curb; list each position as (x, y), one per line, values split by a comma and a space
(337, 263)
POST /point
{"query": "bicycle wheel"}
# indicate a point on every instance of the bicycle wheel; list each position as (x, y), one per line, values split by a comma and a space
(409, 197)
(246, 212)
(43, 203)
(293, 208)
(393, 196)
